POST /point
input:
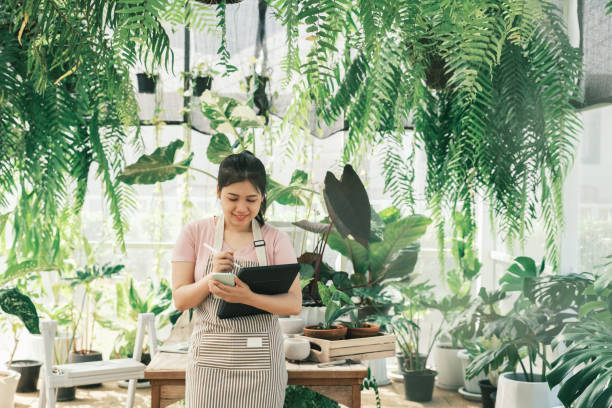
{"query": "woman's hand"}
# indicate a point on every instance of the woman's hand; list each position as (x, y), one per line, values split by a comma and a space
(241, 293)
(223, 261)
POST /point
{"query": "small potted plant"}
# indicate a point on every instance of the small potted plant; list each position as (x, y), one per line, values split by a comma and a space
(129, 304)
(337, 304)
(418, 379)
(89, 278)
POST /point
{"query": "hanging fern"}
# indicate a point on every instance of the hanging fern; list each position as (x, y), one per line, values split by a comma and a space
(66, 102)
(490, 84)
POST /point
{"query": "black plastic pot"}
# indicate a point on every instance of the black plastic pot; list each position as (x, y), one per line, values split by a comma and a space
(83, 357)
(29, 370)
(146, 83)
(419, 385)
(65, 394)
(202, 83)
(486, 389)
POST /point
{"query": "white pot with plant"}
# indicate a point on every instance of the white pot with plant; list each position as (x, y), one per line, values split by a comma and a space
(545, 306)
(456, 305)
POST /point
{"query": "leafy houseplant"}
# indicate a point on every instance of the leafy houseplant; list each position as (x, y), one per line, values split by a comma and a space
(348, 208)
(337, 304)
(584, 369)
(418, 380)
(88, 278)
(546, 305)
(390, 255)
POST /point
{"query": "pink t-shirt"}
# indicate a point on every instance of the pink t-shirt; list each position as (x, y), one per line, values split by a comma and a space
(190, 246)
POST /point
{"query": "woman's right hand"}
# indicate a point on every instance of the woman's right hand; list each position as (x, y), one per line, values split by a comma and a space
(223, 261)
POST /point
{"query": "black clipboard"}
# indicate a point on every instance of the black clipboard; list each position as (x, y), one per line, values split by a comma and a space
(265, 280)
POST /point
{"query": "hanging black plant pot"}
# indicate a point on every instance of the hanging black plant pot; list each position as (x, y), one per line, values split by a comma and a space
(260, 98)
(202, 83)
(146, 83)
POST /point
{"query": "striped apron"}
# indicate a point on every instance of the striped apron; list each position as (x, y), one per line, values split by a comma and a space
(237, 362)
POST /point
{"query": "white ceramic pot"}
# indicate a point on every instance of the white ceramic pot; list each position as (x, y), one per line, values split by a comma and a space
(8, 386)
(513, 392)
(448, 366)
(312, 315)
(296, 349)
(291, 325)
(470, 385)
(378, 370)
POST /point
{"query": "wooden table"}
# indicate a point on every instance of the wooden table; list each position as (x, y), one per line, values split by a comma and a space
(342, 383)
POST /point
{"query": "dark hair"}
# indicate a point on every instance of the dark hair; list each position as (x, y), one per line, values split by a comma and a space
(244, 166)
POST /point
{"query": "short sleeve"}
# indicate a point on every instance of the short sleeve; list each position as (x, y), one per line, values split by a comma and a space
(283, 250)
(185, 247)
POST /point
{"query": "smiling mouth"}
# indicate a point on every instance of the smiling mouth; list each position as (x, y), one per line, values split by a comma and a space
(240, 217)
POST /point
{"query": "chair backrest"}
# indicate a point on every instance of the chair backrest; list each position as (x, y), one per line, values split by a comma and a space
(48, 328)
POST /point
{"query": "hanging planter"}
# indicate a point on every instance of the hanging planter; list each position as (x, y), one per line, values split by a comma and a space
(202, 83)
(146, 82)
(260, 97)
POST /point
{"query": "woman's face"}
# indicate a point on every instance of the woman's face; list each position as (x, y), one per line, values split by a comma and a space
(240, 203)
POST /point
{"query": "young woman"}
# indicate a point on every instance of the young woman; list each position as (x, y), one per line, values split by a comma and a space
(236, 362)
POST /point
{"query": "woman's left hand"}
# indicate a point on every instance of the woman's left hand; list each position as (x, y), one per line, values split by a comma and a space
(241, 293)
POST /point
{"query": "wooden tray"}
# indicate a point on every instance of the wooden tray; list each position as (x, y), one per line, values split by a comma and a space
(366, 348)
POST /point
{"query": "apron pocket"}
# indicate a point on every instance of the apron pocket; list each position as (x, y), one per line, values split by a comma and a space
(234, 351)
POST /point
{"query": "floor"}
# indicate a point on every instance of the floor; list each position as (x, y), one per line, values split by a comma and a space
(111, 395)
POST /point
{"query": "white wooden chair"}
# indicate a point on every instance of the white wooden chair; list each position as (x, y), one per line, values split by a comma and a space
(93, 372)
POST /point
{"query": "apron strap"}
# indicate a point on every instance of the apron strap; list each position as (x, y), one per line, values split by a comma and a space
(259, 243)
(218, 242)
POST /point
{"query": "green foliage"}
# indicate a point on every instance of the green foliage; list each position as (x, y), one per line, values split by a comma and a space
(89, 278)
(488, 85)
(337, 304)
(157, 167)
(584, 369)
(14, 302)
(406, 325)
(129, 303)
(348, 205)
(299, 396)
(66, 100)
(389, 257)
(547, 304)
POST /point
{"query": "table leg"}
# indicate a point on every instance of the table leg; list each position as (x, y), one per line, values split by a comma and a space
(155, 394)
(356, 399)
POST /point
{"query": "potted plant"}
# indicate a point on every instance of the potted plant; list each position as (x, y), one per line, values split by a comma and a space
(337, 303)
(129, 304)
(545, 306)
(89, 279)
(584, 370)
(418, 380)
(470, 325)
(146, 82)
(203, 76)
(454, 305)
(28, 370)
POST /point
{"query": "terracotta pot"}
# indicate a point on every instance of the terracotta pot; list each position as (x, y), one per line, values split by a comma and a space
(337, 332)
(369, 330)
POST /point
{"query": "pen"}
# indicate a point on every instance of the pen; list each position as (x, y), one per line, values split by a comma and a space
(214, 251)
